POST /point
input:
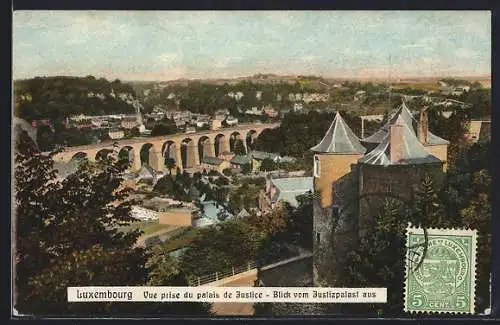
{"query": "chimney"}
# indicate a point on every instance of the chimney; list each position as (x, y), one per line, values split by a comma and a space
(396, 143)
(423, 127)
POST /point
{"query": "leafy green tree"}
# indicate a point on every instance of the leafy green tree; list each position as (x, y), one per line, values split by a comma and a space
(164, 128)
(477, 215)
(170, 164)
(45, 138)
(218, 248)
(164, 271)
(50, 255)
(60, 97)
(244, 196)
(299, 222)
(379, 261)
(268, 164)
(270, 223)
(468, 202)
(239, 147)
(246, 168)
(165, 185)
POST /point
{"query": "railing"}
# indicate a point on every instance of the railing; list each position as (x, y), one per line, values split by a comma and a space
(208, 278)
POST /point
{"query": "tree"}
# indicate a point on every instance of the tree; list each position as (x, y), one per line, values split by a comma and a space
(239, 147)
(217, 248)
(477, 215)
(270, 223)
(246, 168)
(379, 261)
(50, 255)
(468, 200)
(45, 138)
(166, 127)
(165, 185)
(268, 164)
(170, 164)
(244, 196)
(300, 221)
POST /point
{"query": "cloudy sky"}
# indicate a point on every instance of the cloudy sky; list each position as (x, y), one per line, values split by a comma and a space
(161, 45)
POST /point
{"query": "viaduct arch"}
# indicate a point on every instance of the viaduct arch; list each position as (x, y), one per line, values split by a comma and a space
(186, 150)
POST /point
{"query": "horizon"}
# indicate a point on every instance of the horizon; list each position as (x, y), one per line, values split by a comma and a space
(209, 45)
(340, 78)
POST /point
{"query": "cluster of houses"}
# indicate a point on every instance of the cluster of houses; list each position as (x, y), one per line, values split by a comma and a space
(237, 163)
(454, 90)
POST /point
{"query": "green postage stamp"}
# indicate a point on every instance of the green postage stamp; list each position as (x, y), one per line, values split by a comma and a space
(440, 270)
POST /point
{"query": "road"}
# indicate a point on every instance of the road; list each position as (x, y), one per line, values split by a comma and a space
(234, 308)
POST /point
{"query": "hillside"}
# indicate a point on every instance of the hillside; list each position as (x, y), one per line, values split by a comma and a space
(59, 97)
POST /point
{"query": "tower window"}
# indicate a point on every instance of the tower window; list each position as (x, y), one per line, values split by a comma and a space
(316, 166)
(318, 239)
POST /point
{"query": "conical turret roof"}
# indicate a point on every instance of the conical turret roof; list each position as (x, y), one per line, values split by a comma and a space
(407, 117)
(413, 151)
(339, 139)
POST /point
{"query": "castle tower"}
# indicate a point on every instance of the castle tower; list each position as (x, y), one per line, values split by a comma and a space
(395, 168)
(339, 149)
(431, 142)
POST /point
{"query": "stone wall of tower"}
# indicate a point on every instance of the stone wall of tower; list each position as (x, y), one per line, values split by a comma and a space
(397, 181)
(331, 168)
(346, 224)
(322, 242)
(333, 171)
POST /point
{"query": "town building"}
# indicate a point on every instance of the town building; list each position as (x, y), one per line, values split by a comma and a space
(216, 124)
(283, 190)
(116, 134)
(239, 160)
(259, 156)
(359, 95)
(129, 123)
(227, 155)
(352, 177)
(214, 163)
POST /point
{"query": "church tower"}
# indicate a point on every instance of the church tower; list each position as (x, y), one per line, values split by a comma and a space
(339, 149)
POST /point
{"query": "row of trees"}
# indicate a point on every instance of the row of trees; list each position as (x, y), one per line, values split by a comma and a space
(206, 97)
(298, 132)
(265, 238)
(183, 187)
(59, 97)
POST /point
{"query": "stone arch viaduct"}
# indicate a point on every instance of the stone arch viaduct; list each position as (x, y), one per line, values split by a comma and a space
(187, 148)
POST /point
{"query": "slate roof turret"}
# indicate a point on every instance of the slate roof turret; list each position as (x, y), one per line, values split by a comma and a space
(339, 139)
(413, 152)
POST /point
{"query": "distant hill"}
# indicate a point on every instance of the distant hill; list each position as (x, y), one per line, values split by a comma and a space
(274, 78)
(59, 97)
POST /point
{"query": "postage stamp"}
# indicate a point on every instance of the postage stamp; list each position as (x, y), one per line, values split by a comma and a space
(440, 270)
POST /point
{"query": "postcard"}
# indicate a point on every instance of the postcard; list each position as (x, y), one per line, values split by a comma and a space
(251, 163)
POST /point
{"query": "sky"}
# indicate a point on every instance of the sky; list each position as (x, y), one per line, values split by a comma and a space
(168, 45)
